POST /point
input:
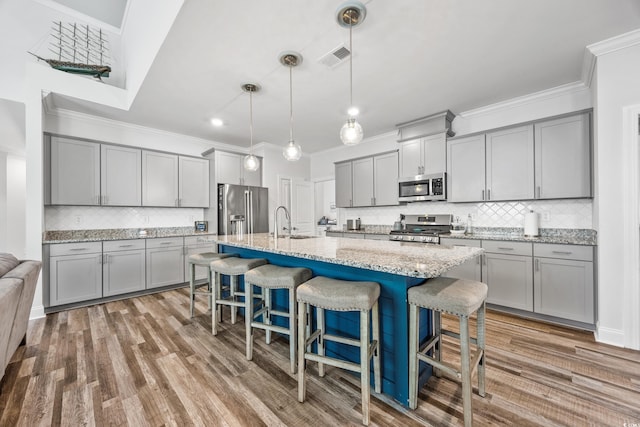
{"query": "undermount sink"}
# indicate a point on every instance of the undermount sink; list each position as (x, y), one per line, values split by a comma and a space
(301, 236)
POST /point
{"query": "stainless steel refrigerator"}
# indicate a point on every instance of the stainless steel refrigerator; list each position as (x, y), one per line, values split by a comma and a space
(242, 209)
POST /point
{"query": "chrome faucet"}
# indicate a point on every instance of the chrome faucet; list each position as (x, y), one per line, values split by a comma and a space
(275, 221)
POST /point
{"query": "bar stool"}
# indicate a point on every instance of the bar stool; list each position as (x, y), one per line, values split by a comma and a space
(340, 295)
(269, 277)
(202, 260)
(234, 267)
(460, 298)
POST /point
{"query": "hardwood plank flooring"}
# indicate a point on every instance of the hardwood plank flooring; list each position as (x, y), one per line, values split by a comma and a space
(144, 362)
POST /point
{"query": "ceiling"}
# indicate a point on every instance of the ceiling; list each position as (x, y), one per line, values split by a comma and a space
(412, 58)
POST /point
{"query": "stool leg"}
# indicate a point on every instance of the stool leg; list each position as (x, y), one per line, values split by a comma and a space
(437, 332)
(480, 321)
(233, 286)
(210, 287)
(321, 347)
(364, 365)
(466, 371)
(375, 320)
(292, 329)
(192, 285)
(248, 318)
(216, 315)
(413, 356)
(267, 314)
(302, 337)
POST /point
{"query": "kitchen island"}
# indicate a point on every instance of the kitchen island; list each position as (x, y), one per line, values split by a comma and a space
(396, 266)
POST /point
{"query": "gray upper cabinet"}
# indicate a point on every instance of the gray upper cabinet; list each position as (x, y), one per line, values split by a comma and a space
(75, 172)
(121, 176)
(509, 164)
(466, 169)
(426, 155)
(159, 179)
(369, 181)
(363, 193)
(563, 157)
(344, 185)
(385, 179)
(230, 170)
(193, 183)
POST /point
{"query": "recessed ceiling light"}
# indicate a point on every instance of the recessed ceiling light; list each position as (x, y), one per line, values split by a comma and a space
(217, 122)
(353, 111)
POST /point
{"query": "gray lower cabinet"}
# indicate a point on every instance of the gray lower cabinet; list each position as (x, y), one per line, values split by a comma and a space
(334, 233)
(470, 270)
(165, 261)
(196, 245)
(75, 272)
(564, 282)
(123, 268)
(507, 271)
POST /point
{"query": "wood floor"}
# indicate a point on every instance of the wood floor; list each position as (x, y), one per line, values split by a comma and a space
(143, 361)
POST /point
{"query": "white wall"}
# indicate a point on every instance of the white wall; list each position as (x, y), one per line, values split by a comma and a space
(16, 205)
(617, 87)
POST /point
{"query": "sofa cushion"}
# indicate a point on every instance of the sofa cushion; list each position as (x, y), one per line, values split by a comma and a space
(27, 272)
(10, 290)
(7, 263)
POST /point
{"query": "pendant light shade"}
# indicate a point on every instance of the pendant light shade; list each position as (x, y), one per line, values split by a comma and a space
(251, 162)
(292, 151)
(350, 14)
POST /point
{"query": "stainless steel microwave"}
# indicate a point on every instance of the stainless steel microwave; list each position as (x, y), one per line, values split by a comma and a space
(420, 188)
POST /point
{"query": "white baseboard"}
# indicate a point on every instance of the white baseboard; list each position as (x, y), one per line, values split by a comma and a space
(610, 336)
(37, 312)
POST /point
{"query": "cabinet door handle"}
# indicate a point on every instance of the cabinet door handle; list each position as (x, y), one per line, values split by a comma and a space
(179, 202)
(537, 264)
(97, 200)
(482, 194)
(100, 260)
(484, 260)
(562, 252)
(505, 249)
(538, 191)
(478, 260)
(489, 194)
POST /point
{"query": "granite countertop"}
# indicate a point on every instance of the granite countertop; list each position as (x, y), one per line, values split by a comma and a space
(71, 236)
(568, 236)
(585, 237)
(401, 258)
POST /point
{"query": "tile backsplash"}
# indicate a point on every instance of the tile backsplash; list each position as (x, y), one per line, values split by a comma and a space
(103, 217)
(570, 213)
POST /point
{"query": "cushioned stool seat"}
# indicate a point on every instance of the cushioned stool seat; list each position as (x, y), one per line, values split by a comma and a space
(202, 260)
(461, 298)
(340, 295)
(234, 267)
(270, 277)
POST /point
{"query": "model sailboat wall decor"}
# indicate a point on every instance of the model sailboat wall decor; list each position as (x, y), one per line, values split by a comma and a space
(78, 49)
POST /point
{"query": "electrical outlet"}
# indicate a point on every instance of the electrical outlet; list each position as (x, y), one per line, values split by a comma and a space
(78, 219)
(545, 216)
(192, 218)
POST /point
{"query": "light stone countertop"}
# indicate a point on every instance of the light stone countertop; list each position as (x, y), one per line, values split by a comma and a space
(98, 235)
(400, 258)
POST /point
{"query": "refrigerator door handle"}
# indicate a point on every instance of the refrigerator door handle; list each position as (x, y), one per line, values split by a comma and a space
(251, 212)
(247, 210)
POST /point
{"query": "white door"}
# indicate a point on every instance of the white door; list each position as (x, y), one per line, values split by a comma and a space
(302, 199)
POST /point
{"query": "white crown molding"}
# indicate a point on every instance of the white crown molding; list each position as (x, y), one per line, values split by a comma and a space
(554, 92)
(593, 51)
(76, 115)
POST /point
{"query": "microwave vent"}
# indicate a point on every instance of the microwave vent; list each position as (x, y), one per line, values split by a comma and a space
(335, 57)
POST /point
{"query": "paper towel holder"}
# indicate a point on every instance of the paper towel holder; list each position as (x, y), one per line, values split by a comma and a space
(531, 224)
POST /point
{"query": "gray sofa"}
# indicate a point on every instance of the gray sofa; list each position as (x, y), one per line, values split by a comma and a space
(17, 286)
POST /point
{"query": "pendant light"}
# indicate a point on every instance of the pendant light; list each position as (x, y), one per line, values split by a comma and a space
(351, 14)
(251, 162)
(291, 151)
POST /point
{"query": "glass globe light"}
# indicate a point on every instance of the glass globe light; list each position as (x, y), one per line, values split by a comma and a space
(351, 132)
(251, 163)
(292, 151)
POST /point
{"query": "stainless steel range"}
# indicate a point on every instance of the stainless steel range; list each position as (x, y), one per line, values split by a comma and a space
(422, 228)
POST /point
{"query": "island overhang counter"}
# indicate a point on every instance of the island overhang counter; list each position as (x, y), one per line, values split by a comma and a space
(396, 266)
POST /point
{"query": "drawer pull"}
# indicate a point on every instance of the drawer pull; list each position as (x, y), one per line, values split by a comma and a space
(125, 246)
(166, 243)
(505, 249)
(78, 249)
(562, 252)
